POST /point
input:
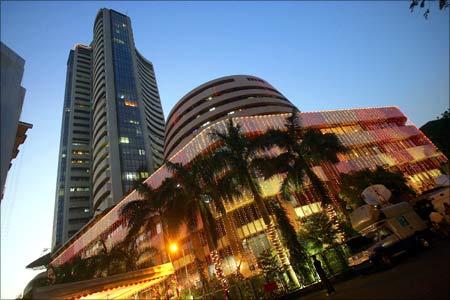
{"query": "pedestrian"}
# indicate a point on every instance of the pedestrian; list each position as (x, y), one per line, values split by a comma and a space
(323, 276)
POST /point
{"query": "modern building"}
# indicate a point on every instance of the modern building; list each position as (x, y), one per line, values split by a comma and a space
(13, 131)
(113, 125)
(73, 207)
(219, 99)
(375, 136)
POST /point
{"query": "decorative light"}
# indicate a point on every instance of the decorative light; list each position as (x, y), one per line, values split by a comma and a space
(378, 136)
(173, 247)
(217, 261)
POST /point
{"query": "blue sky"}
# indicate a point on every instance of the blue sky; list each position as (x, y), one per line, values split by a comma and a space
(320, 55)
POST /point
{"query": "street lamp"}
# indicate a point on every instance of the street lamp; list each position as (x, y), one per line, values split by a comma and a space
(173, 247)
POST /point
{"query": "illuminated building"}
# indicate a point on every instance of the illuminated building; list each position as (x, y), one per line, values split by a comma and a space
(219, 99)
(112, 131)
(375, 136)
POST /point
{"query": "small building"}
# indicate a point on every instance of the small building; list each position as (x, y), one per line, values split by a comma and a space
(13, 131)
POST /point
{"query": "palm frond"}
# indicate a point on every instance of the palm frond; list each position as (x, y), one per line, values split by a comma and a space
(321, 147)
(272, 138)
(209, 225)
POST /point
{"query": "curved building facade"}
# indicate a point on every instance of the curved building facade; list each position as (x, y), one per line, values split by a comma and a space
(153, 113)
(374, 136)
(128, 122)
(231, 96)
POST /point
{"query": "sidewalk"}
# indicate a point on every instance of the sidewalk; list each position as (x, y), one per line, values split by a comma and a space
(422, 276)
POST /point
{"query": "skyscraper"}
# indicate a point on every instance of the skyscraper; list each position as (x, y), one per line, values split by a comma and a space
(113, 125)
(73, 207)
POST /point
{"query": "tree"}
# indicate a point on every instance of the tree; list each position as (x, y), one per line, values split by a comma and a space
(353, 184)
(143, 214)
(193, 188)
(437, 131)
(124, 257)
(235, 154)
(138, 213)
(119, 259)
(297, 255)
(317, 233)
(299, 149)
(270, 266)
(76, 270)
(443, 4)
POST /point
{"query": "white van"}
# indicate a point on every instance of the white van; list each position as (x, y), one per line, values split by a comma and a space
(386, 232)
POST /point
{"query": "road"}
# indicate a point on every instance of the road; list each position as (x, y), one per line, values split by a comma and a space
(424, 276)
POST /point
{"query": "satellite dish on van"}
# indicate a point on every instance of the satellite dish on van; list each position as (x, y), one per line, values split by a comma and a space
(442, 180)
(376, 194)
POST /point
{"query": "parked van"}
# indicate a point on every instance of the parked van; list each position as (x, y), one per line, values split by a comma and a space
(386, 232)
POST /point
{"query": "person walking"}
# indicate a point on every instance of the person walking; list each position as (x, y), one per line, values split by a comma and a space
(323, 276)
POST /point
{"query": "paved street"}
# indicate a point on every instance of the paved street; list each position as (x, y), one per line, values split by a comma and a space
(424, 276)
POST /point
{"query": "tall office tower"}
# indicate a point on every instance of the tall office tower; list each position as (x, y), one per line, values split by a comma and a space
(73, 206)
(12, 131)
(125, 125)
(128, 122)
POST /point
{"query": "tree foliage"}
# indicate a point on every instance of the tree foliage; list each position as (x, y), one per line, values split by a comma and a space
(235, 155)
(438, 132)
(317, 233)
(297, 254)
(270, 265)
(120, 259)
(425, 4)
(353, 184)
(300, 148)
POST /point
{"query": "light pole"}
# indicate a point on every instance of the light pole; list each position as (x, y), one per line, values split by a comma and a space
(174, 248)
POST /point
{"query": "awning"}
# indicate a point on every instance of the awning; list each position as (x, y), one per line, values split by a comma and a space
(120, 286)
(41, 261)
(123, 292)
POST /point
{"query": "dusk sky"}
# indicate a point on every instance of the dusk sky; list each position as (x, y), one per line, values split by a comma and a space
(321, 55)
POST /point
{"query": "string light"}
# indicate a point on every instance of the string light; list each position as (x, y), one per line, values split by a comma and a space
(371, 133)
(217, 261)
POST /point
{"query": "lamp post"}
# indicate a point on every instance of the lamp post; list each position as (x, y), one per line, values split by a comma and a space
(174, 248)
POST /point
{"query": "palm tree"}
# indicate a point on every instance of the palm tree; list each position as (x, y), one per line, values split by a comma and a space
(297, 253)
(298, 150)
(141, 213)
(124, 257)
(235, 154)
(193, 188)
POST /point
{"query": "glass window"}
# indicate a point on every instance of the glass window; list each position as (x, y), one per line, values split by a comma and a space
(128, 114)
(402, 221)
